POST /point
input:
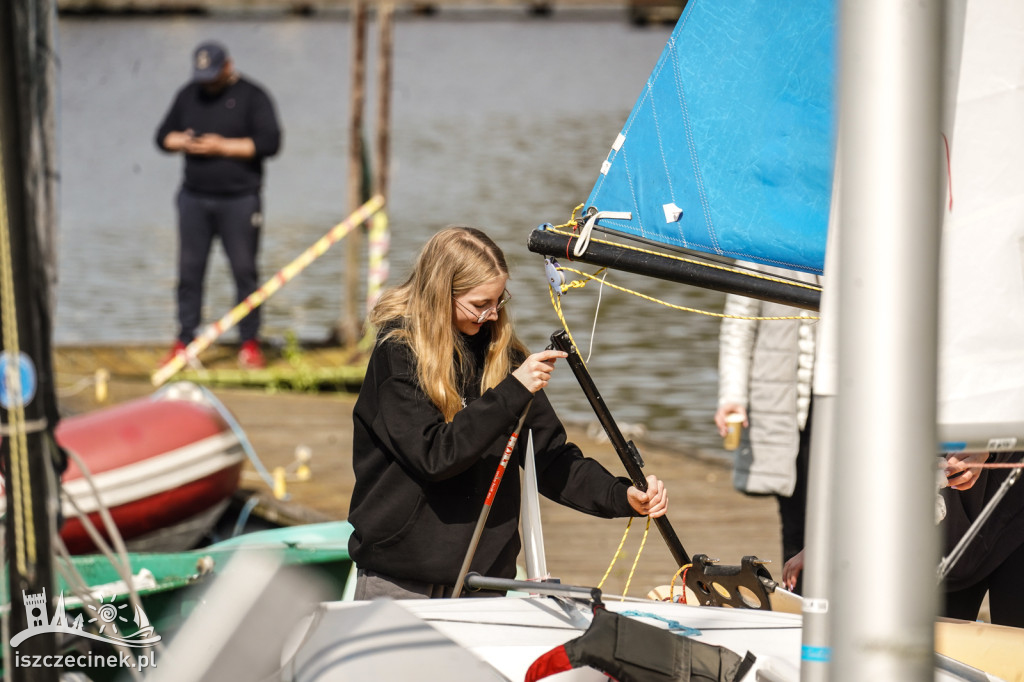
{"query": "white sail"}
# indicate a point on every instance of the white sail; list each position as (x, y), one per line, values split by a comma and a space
(981, 380)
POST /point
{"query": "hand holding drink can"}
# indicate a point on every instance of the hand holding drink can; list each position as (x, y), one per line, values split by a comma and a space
(734, 428)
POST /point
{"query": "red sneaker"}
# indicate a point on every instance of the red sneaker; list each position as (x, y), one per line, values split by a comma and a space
(250, 356)
(177, 349)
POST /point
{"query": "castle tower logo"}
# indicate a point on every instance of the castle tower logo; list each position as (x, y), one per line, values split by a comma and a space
(107, 618)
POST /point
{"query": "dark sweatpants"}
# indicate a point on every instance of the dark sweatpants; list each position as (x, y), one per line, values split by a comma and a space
(793, 509)
(237, 222)
(1005, 594)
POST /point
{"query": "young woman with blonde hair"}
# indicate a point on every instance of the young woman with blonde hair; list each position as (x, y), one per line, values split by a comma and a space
(444, 389)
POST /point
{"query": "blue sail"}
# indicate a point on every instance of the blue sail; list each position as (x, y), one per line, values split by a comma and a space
(729, 149)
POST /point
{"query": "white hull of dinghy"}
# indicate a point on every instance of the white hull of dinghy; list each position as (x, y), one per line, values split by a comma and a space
(479, 640)
(508, 635)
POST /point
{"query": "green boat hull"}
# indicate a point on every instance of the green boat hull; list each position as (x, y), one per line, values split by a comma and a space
(171, 584)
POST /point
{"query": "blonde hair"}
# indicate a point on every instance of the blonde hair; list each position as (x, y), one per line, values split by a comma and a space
(452, 262)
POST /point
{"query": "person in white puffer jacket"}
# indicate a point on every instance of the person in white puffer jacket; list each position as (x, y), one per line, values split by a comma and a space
(765, 371)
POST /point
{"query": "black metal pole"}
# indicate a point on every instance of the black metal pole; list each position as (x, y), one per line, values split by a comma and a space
(475, 581)
(653, 265)
(626, 451)
(27, 402)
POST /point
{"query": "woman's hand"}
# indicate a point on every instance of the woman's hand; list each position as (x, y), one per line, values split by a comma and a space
(535, 372)
(724, 411)
(959, 475)
(653, 503)
(791, 571)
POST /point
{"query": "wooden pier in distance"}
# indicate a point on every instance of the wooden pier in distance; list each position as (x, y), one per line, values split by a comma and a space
(294, 367)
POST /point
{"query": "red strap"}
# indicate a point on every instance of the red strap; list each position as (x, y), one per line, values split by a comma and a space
(551, 663)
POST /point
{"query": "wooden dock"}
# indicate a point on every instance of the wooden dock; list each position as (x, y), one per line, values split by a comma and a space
(298, 367)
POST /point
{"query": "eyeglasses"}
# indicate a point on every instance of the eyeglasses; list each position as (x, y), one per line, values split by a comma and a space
(505, 298)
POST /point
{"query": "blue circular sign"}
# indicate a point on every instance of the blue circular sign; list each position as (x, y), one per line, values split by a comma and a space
(22, 394)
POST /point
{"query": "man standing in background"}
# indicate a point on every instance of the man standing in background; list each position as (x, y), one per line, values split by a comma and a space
(225, 125)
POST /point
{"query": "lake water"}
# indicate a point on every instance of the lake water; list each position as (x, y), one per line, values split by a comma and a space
(498, 121)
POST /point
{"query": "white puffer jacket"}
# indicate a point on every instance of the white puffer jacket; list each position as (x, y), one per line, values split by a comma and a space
(767, 366)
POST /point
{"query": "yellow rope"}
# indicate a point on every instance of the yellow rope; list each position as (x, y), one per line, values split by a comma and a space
(25, 543)
(615, 557)
(672, 585)
(570, 224)
(556, 303)
(578, 284)
(560, 230)
(636, 560)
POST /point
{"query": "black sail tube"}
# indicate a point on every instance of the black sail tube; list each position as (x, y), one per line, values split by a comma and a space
(653, 265)
(28, 451)
(625, 450)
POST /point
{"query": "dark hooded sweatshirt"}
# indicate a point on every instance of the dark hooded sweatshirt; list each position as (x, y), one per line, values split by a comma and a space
(421, 482)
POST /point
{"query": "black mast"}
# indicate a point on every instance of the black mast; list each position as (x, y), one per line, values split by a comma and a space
(28, 408)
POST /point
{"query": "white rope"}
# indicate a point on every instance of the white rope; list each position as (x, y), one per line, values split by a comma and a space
(78, 586)
(597, 309)
(584, 240)
(120, 562)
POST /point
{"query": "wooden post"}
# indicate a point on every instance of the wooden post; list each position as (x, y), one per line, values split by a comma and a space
(377, 270)
(349, 328)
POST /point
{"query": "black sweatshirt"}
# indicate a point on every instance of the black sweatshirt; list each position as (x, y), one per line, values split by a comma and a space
(242, 109)
(421, 482)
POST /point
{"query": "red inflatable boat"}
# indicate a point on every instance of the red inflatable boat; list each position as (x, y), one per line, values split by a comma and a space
(165, 467)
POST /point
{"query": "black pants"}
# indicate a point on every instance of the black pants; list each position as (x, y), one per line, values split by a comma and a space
(237, 222)
(793, 509)
(1005, 594)
(370, 585)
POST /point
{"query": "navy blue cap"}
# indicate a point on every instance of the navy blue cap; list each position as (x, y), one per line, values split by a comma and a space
(208, 61)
